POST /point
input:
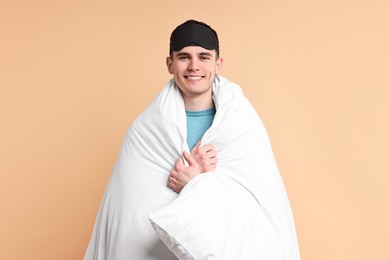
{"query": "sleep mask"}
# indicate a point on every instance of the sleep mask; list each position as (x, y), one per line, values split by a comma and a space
(193, 35)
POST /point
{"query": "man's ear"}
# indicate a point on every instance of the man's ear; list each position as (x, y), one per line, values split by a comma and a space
(169, 64)
(219, 65)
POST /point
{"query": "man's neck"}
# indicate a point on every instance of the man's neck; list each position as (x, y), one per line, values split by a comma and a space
(198, 104)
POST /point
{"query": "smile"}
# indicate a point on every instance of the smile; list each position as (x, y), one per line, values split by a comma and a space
(193, 78)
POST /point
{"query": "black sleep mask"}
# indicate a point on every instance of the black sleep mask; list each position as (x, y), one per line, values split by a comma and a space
(193, 35)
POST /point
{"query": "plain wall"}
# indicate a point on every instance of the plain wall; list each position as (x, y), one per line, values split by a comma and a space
(74, 74)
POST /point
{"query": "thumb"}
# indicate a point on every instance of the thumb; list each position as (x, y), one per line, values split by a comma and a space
(190, 159)
(179, 163)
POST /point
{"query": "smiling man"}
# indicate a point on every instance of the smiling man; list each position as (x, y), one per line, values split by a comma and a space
(169, 197)
(194, 62)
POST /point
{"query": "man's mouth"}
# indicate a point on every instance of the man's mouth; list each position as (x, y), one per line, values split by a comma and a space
(193, 78)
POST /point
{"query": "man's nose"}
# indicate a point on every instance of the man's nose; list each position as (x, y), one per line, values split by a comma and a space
(193, 65)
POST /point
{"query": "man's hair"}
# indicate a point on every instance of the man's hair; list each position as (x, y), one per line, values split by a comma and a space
(194, 23)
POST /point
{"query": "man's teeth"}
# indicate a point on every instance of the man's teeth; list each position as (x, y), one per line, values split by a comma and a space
(194, 77)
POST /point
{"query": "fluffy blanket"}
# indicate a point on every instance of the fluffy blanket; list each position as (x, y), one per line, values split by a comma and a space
(239, 211)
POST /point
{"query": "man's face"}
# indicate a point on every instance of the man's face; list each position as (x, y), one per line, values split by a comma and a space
(194, 69)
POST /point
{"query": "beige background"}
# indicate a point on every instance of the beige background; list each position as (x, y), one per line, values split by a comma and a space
(74, 74)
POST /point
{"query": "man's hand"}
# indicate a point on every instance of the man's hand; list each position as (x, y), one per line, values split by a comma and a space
(206, 157)
(181, 174)
(200, 160)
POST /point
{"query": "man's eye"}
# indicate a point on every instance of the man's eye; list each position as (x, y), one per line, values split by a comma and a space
(204, 58)
(183, 58)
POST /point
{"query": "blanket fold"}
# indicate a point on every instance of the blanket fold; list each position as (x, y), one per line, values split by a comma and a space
(239, 211)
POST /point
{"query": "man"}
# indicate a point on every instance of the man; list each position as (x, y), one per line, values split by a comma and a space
(233, 208)
(194, 61)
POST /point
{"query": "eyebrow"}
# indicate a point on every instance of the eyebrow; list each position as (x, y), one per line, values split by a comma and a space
(205, 54)
(188, 54)
(182, 54)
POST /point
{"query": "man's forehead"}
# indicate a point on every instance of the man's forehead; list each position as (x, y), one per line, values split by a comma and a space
(195, 50)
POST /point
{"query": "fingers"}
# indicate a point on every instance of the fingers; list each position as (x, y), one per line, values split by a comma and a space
(205, 157)
(196, 147)
(208, 165)
(179, 165)
(173, 182)
(207, 148)
(207, 151)
(182, 174)
(190, 159)
(210, 161)
(209, 155)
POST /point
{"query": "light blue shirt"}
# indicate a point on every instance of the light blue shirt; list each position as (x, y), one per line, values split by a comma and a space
(197, 124)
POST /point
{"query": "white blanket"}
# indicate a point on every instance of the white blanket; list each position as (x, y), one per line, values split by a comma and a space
(239, 211)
